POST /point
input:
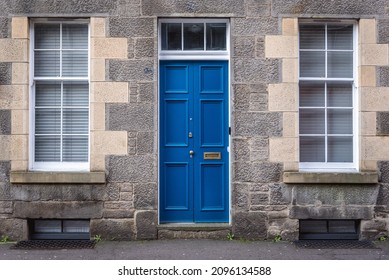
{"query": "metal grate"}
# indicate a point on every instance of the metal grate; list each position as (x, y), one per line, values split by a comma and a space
(334, 244)
(54, 244)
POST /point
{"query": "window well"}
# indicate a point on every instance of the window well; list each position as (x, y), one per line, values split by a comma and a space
(59, 229)
(329, 229)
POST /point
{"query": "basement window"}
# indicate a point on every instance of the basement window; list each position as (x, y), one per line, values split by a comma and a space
(329, 229)
(60, 229)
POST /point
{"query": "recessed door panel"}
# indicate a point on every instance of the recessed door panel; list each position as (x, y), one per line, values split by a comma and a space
(177, 186)
(212, 119)
(176, 122)
(176, 79)
(212, 190)
(212, 79)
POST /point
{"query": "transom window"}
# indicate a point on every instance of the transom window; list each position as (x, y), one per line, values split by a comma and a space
(60, 95)
(327, 105)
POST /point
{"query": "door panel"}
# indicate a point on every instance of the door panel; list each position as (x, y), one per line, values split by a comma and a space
(193, 141)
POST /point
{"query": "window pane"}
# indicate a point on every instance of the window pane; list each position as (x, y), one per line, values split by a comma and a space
(340, 149)
(339, 95)
(171, 36)
(340, 64)
(74, 36)
(76, 94)
(47, 121)
(312, 36)
(75, 226)
(47, 94)
(75, 148)
(46, 64)
(47, 36)
(312, 121)
(340, 37)
(47, 148)
(312, 64)
(312, 149)
(312, 94)
(216, 36)
(340, 121)
(193, 36)
(46, 226)
(75, 121)
(75, 64)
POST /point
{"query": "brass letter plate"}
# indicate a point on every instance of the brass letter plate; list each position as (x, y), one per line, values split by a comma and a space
(212, 155)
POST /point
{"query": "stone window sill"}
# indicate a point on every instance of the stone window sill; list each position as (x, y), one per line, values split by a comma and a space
(21, 177)
(330, 178)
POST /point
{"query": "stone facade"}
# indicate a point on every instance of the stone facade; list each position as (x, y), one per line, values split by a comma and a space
(124, 120)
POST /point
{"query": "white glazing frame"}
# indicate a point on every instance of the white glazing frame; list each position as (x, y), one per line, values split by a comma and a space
(56, 166)
(336, 166)
(194, 54)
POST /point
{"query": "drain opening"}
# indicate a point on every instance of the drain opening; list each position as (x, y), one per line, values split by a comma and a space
(59, 229)
(328, 229)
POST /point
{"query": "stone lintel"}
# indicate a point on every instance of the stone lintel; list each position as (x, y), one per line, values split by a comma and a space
(20, 177)
(330, 178)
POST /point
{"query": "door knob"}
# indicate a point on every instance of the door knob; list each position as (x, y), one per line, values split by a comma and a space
(191, 152)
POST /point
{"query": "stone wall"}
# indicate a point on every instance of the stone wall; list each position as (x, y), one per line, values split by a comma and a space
(124, 119)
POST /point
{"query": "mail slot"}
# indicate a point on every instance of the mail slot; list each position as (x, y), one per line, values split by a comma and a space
(212, 155)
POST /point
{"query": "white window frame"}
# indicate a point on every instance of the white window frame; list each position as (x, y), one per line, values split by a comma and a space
(197, 54)
(337, 166)
(54, 166)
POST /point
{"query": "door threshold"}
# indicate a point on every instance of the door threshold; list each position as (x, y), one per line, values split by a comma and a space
(194, 226)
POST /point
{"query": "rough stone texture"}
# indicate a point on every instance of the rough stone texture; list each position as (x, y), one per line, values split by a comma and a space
(130, 117)
(146, 92)
(131, 70)
(250, 225)
(5, 191)
(382, 123)
(280, 194)
(58, 210)
(113, 229)
(258, 124)
(131, 27)
(244, 46)
(261, 172)
(256, 70)
(5, 167)
(5, 73)
(335, 7)
(4, 27)
(146, 224)
(332, 212)
(383, 76)
(15, 229)
(207, 234)
(145, 143)
(339, 195)
(383, 195)
(240, 197)
(145, 196)
(131, 169)
(129, 8)
(144, 48)
(373, 229)
(241, 150)
(383, 169)
(383, 31)
(255, 26)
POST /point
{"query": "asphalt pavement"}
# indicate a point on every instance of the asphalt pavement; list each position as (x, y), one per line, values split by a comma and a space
(195, 249)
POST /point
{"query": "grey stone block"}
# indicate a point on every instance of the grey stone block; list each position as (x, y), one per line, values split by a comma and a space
(140, 168)
(15, 229)
(244, 46)
(129, 8)
(258, 9)
(259, 148)
(4, 27)
(262, 172)
(260, 47)
(335, 195)
(58, 210)
(250, 225)
(256, 70)
(258, 124)
(168, 7)
(383, 76)
(259, 199)
(383, 31)
(241, 97)
(113, 229)
(6, 207)
(335, 7)
(145, 196)
(131, 27)
(113, 191)
(258, 102)
(144, 48)
(130, 117)
(241, 150)
(383, 195)
(146, 225)
(5, 191)
(5, 72)
(240, 197)
(5, 121)
(118, 214)
(233, 7)
(332, 212)
(5, 167)
(383, 169)
(145, 143)
(280, 194)
(146, 92)
(131, 70)
(382, 123)
(255, 26)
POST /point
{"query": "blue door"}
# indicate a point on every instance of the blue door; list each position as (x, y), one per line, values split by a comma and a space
(194, 141)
